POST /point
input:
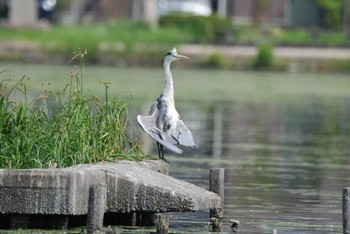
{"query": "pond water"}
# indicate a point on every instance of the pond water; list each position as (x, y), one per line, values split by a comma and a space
(283, 140)
(286, 164)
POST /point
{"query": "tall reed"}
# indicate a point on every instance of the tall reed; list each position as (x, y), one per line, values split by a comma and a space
(63, 128)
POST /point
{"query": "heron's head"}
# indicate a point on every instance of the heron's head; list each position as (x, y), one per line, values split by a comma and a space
(173, 56)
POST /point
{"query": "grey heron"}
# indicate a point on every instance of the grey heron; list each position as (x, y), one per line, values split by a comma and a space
(164, 124)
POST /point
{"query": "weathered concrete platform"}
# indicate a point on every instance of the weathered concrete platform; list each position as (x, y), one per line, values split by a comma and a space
(131, 187)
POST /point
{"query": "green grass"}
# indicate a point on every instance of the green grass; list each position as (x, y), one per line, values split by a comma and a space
(123, 38)
(127, 43)
(64, 127)
(264, 58)
(124, 31)
(293, 36)
(118, 38)
(332, 38)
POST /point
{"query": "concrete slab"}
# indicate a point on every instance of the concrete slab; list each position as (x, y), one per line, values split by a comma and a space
(131, 187)
(148, 191)
(47, 191)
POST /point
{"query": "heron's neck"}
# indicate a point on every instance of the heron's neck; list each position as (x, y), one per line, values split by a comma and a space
(168, 90)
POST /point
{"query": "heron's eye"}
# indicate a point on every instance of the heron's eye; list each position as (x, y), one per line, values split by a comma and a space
(169, 53)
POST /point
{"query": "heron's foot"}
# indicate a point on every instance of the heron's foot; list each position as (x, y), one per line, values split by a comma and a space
(163, 159)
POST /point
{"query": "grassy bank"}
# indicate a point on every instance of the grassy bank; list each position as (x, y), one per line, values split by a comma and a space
(127, 40)
(63, 127)
(131, 36)
(290, 37)
(134, 43)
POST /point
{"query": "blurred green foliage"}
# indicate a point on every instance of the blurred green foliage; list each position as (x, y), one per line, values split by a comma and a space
(290, 36)
(333, 12)
(116, 38)
(296, 36)
(264, 58)
(259, 10)
(135, 43)
(202, 28)
(332, 38)
(216, 60)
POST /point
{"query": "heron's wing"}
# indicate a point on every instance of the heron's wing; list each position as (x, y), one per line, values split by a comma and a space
(148, 124)
(184, 135)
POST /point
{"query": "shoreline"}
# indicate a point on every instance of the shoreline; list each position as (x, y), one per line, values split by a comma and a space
(240, 57)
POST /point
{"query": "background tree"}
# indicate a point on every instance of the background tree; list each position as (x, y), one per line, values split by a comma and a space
(259, 10)
(333, 12)
(346, 17)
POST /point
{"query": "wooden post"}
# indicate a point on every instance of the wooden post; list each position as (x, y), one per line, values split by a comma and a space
(346, 210)
(97, 206)
(162, 223)
(216, 185)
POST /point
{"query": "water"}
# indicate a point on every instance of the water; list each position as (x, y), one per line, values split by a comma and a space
(286, 163)
(283, 140)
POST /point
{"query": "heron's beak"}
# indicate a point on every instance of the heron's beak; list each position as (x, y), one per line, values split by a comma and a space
(181, 56)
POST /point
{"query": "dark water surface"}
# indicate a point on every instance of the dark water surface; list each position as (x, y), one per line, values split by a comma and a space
(286, 164)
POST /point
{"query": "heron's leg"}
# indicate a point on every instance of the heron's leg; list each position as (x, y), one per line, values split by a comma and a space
(162, 151)
(159, 149)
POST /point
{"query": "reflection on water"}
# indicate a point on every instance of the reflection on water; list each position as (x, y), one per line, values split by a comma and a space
(286, 164)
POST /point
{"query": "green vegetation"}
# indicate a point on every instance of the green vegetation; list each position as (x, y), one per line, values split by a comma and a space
(290, 37)
(128, 40)
(332, 38)
(259, 10)
(293, 37)
(216, 60)
(119, 39)
(264, 58)
(201, 28)
(63, 128)
(333, 12)
(136, 44)
(334, 66)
